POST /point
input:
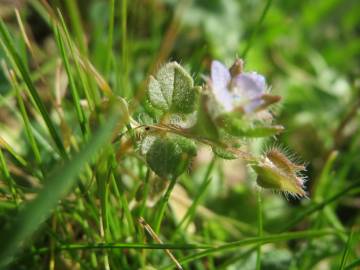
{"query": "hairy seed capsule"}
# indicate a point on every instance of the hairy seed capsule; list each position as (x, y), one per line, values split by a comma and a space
(276, 171)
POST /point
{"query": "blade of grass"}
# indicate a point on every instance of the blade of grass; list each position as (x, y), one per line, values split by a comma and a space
(18, 158)
(45, 69)
(90, 96)
(260, 228)
(155, 237)
(103, 178)
(38, 136)
(162, 205)
(125, 206)
(225, 265)
(346, 250)
(207, 236)
(324, 185)
(316, 207)
(5, 37)
(124, 49)
(209, 249)
(109, 54)
(89, 82)
(7, 177)
(353, 264)
(253, 240)
(94, 246)
(73, 89)
(76, 24)
(58, 185)
(23, 32)
(145, 193)
(192, 209)
(92, 75)
(25, 118)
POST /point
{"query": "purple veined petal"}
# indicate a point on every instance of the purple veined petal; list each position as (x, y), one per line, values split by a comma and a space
(248, 105)
(249, 85)
(253, 105)
(225, 99)
(220, 76)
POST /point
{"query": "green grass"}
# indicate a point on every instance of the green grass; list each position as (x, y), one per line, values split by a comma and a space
(74, 185)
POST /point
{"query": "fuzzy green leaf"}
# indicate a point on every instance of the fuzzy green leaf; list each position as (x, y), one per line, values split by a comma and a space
(157, 96)
(172, 90)
(170, 156)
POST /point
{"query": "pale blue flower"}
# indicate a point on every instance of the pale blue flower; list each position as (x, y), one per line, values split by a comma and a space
(243, 91)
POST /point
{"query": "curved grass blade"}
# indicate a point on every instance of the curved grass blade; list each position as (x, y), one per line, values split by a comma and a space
(316, 207)
(7, 42)
(253, 240)
(353, 264)
(346, 250)
(73, 89)
(99, 246)
(58, 185)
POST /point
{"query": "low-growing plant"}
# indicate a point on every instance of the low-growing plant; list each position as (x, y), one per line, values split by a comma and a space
(99, 159)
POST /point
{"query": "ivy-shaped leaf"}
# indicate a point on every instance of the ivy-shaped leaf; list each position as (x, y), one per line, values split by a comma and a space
(168, 156)
(172, 90)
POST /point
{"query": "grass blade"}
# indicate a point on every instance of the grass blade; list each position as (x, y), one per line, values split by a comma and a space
(88, 91)
(110, 55)
(7, 177)
(73, 89)
(163, 204)
(5, 37)
(260, 228)
(59, 184)
(346, 251)
(189, 215)
(319, 206)
(254, 240)
(74, 14)
(26, 120)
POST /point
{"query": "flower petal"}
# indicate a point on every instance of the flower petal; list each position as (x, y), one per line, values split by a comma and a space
(249, 85)
(253, 104)
(220, 76)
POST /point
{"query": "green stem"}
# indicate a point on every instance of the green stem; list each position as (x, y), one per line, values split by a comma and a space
(6, 174)
(346, 250)
(260, 228)
(252, 241)
(163, 204)
(185, 221)
(101, 246)
(145, 194)
(75, 18)
(208, 249)
(110, 37)
(124, 48)
(125, 206)
(8, 44)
